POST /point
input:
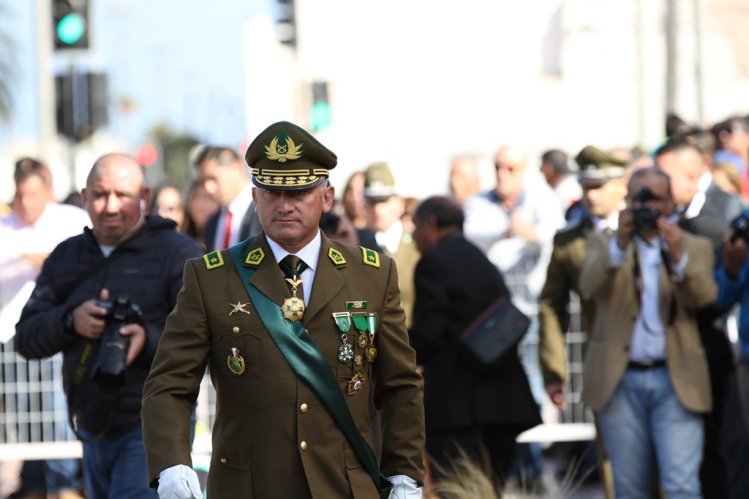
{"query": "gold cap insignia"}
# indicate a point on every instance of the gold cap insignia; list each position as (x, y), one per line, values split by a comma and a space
(213, 260)
(255, 257)
(370, 257)
(281, 153)
(336, 257)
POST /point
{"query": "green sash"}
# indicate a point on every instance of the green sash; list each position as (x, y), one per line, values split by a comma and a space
(306, 360)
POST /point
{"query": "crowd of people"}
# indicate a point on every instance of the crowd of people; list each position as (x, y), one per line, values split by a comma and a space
(355, 383)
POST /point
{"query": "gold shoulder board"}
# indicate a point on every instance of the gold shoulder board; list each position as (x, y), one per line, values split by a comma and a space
(370, 257)
(213, 260)
(336, 257)
(255, 257)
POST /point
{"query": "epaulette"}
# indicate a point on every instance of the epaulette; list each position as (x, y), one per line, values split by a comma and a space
(213, 260)
(370, 257)
(572, 232)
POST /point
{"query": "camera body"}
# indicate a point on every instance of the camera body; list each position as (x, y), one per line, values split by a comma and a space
(110, 364)
(646, 216)
(740, 227)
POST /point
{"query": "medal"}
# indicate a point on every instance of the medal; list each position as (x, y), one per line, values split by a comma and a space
(355, 384)
(293, 308)
(357, 360)
(360, 321)
(361, 340)
(343, 321)
(235, 362)
(345, 351)
(356, 305)
(372, 350)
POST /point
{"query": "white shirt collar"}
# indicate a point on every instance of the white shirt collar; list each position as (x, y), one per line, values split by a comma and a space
(309, 254)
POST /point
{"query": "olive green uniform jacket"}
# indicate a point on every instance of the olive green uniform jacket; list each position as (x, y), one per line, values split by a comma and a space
(406, 258)
(554, 320)
(272, 438)
(617, 308)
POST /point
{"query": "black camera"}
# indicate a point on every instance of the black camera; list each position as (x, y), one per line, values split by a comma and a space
(110, 365)
(646, 217)
(740, 227)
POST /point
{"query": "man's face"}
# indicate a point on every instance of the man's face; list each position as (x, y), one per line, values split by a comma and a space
(659, 188)
(510, 170)
(223, 182)
(115, 199)
(31, 198)
(464, 179)
(291, 218)
(685, 167)
(602, 199)
(424, 235)
(382, 213)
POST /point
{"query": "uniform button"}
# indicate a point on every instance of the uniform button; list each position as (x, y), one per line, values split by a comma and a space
(303, 445)
(235, 329)
(304, 408)
(224, 460)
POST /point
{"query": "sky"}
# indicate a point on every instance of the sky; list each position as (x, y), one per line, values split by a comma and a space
(162, 56)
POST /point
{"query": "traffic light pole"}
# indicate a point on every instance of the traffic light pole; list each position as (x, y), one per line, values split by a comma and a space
(45, 78)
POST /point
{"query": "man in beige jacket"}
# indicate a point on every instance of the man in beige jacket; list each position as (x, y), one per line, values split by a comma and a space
(645, 372)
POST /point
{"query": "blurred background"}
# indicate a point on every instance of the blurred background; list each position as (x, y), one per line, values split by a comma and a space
(412, 82)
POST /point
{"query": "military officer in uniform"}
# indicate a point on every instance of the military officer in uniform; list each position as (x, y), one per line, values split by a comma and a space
(385, 209)
(604, 190)
(306, 343)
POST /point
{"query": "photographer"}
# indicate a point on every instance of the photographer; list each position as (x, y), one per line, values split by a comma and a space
(646, 374)
(102, 299)
(733, 287)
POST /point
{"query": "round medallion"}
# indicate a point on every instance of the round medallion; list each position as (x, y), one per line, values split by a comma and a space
(293, 309)
(361, 340)
(371, 354)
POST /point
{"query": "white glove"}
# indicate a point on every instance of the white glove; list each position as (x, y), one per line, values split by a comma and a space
(404, 488)
(179, 482)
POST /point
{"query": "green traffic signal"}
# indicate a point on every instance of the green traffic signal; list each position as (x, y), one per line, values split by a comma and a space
(71, 28)
(321, 116)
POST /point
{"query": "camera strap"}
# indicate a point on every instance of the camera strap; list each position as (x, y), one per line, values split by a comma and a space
(81, 366)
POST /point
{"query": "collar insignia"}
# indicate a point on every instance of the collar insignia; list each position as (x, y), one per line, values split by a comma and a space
(336, 257)
(255, 257)
(277, 152)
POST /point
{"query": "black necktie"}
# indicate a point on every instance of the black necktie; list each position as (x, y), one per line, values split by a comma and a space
(292, 267)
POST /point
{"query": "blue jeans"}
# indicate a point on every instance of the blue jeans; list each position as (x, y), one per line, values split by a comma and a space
(115, 467)
(645, 418)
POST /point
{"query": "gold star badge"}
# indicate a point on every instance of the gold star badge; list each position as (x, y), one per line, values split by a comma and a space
(238, 307)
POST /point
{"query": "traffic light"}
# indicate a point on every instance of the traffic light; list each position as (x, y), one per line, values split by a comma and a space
(321, 114)
(81, 103)
(70, 24)
(286, 23)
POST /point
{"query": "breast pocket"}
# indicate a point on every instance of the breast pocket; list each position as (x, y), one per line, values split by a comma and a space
(237, 355)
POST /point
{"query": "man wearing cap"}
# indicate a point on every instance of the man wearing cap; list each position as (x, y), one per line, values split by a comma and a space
(604, 189)
(385, 210)
(305, 339)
